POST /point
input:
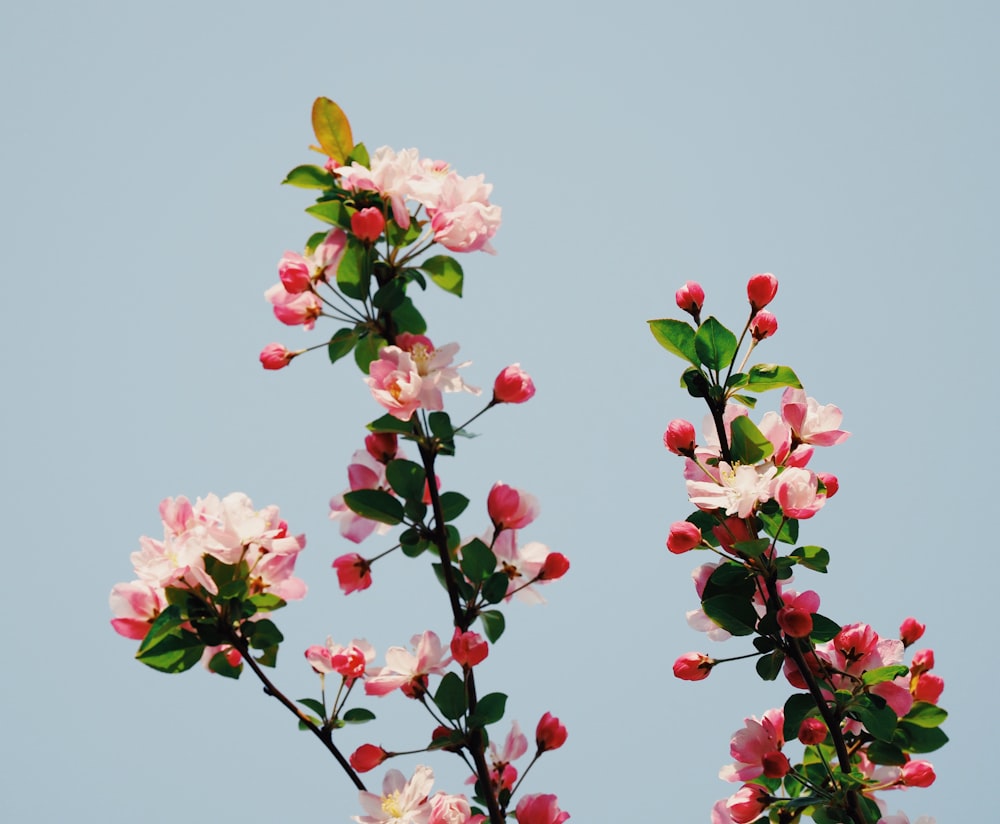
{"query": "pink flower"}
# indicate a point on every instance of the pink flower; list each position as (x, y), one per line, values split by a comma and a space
(391, 175)
(136, 606)
(555, 566)
(511, 508)
(812, 731)
(761, 290)
(276, 356)
(294, 309)
(693, 666)
(350, 661)
(502, 774)
(434, 367)
(513, 385)
(830, 482)
(797, 491)
(452, 809)
(690, 298)
(680, 437)
(763, 325)
(521, 564)
(294, 273)
(918, 774)
(368, 224)
(353, 573)
(408, 671)
(401, 802)
(922, 661)
(540, 809)
(927, 688)
(810, 422)
(684, 536)
(550, 734)
(395, 382)
(468, 648)
(462, 218)
(750, 745)
(382, 446)
(363, 472)
(747, 803)
(795, 617)
(737, 491)
(367, 757)
(910, 631)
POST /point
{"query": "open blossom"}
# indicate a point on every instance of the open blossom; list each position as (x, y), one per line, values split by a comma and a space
(452, 809)
(752, 745)
(540, 809)
(294, 309)
(401, 801)
(363, 472)
(797, 492)
(515, 744)
(408, 671)
(135, 606)
(395, 382)
(350, 661)
(738, 490)
(810, 422)
(522, 564)
(391, 174)
(511, 508)
(469, 648)
(795, 617)
(353, 572)
(462, 217)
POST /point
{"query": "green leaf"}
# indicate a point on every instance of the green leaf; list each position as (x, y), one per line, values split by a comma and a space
(880, 674)
(823, 629)
(675, 336)
(747, 400)
(769, 666)
(358, 715)
(450, 697)
(734, 614)
(341, 343)
(775, 524)
(881, 752)
(812, 557)
(314, 705)
(219, 664)
(446, 272)
(262, 634)
(440, 425)
(408, 319)
(354, 270)
(731, 578)
(695, 382)
(493, 624)
(332, 212)
(359, 155)
(766, 376)
(390, 296)
(877, 716)
(495, 588)
(234, 590)
(266, 602)
(924, 714)
(913, 738)
(749, 445)
(375, 504)
(715, 345)
(167, 647)
(453, 504)
(478, 561)
(388, 423)
(268, 657)
(367, 351)
(406, 478)
(332, 129)
(753, 549)
(489, 709)
(798, 707)
(309, 177)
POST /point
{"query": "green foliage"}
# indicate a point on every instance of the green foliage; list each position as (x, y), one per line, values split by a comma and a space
(388, 423)
(450, 697)
(358, 715)
(493, 624)
(769, 666)
(446, 272)
(406, 478)
(677, 337)
(332, 129)
(375, 504)
(453, 504)
(798, 707)
(877, 716)
(812, 557)
(332, 212)
(924, 714)
(478, 561)
(823, 629)
(495, 588)
(367, 350)
(408, 319)
(715, 345)
(168, 647)
(749, 446)
(776, 525)
(915, 738)
(694, 380)
(734, 614)
(881, 674)
(489, 709)
(309, 177)
(765, 376)
(354, 269)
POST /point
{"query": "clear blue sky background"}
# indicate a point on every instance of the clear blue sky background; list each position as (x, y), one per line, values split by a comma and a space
(849, 148)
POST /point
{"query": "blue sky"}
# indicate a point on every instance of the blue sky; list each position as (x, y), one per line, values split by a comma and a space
(849, 149)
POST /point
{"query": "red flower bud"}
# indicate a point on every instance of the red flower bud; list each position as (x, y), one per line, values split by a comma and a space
(680, 437)
(761, 290)
(812, 731)
(690, 298)
(367, 757)
(468, 648)
(367, 224)
(276, 356)
(550, 733)
(684, 536)
(911, 629)
(382, 446)
(693, 666)
(556, 565)
(513, 385)
(763, 325)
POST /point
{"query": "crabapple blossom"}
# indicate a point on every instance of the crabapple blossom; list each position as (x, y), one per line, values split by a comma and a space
(795, 617)
(382, 446)
(452, 809)
(541, 808)
(353, 572)
(812, 731)
(401, 802)
(521, 564)
(927, 687)
(395, 382)
(363, 472)
(390, 174)
(679, 437)
(513, 385)
(511, 508)
(810, 422)
(368, 224)
(367, 757)
(747, 803)
(690, 298)
(556, 565)
(693, 666)
(911, 631)
(462, 218)
(683, 537)
(300, 309)
(918, 774)
(550, 734)
(408, 671)
(797, 492)
(469, 648)
(739, 489)
(830, 482)
(763, 325)
(136, 606)
(922, 661)
(294, 273)
(276, 356)
(349, 661)
(750, 745)
(761, 290)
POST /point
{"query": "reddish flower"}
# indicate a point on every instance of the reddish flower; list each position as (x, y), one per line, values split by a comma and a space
(276, 356)
(795, 617)
(513, 385)
(511, 508)
(550, 733)
(469, 648)
(927, 688)
(918, 774)
(683, 537)
(732, 531)
(367, 224)
(747, 803)
(830, 482)
(353, 573)
(382, 446)
(293, 270)
(911, 630)
(763, 325)
(812, 731)
(693, 666)
(690, 298)
(775, 764)
(680, 437)
(761, 290)
(923, 661)
(540, 809)
(555, 566)
(367, 757)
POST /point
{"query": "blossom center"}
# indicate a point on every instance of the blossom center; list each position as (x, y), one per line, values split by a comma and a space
(390, 805)
(421, 355)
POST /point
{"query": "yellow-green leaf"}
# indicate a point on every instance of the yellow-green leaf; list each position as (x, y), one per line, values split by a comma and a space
(333, 131)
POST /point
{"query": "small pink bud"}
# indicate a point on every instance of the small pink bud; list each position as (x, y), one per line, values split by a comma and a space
(513, 385)
(382, 446)
(276, 356)
(368, 224)
(812, 731)
(775, 764)
(763, 325)
(555, 566)
(795, 621)
(680, 437)
(550, 733)
(684, 536)
(927, 688)
(511, 508)
(748, 803)
(331, 165)
(469, 648)
(761, 290)
(918, 774)
(693, 666)
(293, 269)
(367, 757)
(923, 661)
(911, 630)
(830, 482)
(690, 298)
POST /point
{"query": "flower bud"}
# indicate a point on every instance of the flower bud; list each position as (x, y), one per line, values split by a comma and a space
(775, 764)
(830, 482)
(763, 325)
(513, 385)
(923, 660)
(684, 536)
(680, 437)
(918, 774)
(367, 757)
(690, 298)
(367, 224)
(382, 446)
(693, 666)
(761, 290)
(469, 648)
(795, 621)
(511, 508)
(927, 688)
(555, 566)
(812, 731)
(748, 803)
(293, 270)
(550, 733)
(353, 573)
(276, 356)
(911, 630)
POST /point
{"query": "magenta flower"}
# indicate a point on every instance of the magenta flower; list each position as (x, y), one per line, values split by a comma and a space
(750, 745)
(540, 809)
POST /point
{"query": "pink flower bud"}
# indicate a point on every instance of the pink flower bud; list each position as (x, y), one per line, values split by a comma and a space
(693, 666)
(368, 224)
(763, 325)
(747, 803)
(812, 731)
(795, 621)
(367, 757)
(732, 531)
(927, 688)
(690, 298)
(468, 648)
(680, 437)
(918, 774)
(276, 356)
(775, 764)
(923, 661)
(541, 808)
(353, 573)
(511, 508)
(550, 733)
(555, 566)
(293, 269)
(761, 290)
(830, 482)
(382, 446)
(513, 385)
(911, 630)
(684, 536)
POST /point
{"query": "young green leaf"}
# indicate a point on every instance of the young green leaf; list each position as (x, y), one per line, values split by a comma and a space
(341, 344)
(675, 336)
(715, 345)
(406, 478)
(446, 272)
(478, 561)
(450, 697)
(493, 624)
(765, 376)
(309, 177)
(332, 212)
(749, 444)
(375, 504)
(489, 710)
(332, 129)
